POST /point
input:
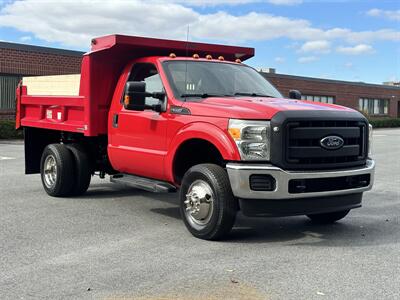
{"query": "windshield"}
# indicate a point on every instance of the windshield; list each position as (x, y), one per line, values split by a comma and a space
(201, 79)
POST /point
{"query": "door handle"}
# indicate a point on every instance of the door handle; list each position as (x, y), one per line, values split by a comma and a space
(115, 121)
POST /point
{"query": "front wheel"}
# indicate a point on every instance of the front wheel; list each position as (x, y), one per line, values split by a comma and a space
(328, 218)
(208, 207)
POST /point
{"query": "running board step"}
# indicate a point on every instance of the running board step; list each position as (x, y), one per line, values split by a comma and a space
(143, 183)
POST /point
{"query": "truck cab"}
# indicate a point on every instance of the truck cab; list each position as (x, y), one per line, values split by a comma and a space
(170, 116)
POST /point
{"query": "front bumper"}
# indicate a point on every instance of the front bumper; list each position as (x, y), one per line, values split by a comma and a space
(239, 176)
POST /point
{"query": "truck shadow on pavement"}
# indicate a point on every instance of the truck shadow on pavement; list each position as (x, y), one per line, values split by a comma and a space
(362, 227)
(301, 231)
(351, 231)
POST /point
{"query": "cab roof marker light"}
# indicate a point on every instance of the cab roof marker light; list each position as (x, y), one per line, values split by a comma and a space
(172, 55)
(196, 56)
(208, 56)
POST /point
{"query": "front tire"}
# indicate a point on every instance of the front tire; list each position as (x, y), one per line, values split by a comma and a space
(57, 170)
(328, 218)
(207, 205)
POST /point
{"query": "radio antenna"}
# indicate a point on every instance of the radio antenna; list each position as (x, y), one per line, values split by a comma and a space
(186, 62)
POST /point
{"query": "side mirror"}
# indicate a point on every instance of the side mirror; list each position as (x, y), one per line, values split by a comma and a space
(294, 94)
(135, 97)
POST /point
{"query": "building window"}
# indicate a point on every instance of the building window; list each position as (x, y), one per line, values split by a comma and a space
(372, 106)
(322, 99)
(8, 85)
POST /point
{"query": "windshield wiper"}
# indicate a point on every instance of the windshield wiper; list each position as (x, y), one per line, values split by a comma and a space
(204, 95)
(252, 95)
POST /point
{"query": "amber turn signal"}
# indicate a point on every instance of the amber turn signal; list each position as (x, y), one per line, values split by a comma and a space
(127, 100)
(235, 133)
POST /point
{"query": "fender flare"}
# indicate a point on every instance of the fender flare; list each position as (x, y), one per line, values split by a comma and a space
(205, 131)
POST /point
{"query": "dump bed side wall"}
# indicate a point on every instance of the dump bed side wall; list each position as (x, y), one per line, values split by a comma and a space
(63, 113)
(86, 112)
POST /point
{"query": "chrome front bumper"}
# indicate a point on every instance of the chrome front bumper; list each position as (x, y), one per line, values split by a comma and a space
(239, 176)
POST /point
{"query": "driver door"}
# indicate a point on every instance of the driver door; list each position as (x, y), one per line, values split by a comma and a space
(139, 143)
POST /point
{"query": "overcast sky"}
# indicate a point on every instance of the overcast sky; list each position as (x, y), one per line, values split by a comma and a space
(357, 40)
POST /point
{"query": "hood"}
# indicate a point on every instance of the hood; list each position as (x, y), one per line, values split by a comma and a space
(253, 107)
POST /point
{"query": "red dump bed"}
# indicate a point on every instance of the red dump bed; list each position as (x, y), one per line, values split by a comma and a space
(101, 68)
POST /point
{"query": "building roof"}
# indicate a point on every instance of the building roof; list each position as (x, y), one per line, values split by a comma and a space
(363, 84)
(39, 49)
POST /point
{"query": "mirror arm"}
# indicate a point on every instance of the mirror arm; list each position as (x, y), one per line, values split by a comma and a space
(155, 107)
(158, 95)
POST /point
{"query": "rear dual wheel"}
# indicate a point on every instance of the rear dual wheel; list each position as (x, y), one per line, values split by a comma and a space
(65, 170)
(82, 169)
(56, 169)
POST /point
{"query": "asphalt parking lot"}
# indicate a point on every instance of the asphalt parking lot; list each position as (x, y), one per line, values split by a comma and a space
(117, 242)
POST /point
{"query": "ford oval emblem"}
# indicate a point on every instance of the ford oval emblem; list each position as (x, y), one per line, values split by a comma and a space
(332, 142)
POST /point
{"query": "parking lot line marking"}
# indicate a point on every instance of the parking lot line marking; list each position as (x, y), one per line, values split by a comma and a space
(380, 134)
(6, 158)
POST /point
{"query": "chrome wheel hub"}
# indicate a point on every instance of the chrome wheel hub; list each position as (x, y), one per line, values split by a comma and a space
(199, 203)
(50, 171)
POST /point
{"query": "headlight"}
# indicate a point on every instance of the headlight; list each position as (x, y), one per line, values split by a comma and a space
(370, 138)
(252, 138)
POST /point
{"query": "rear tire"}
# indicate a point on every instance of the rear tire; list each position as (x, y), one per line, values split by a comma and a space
(57, 170)
(207, 205)
(82, 169)
(328, 218)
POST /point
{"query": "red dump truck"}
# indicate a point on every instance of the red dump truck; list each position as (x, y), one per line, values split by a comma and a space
(169, 116)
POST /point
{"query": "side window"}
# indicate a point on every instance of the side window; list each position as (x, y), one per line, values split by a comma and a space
(148, 73)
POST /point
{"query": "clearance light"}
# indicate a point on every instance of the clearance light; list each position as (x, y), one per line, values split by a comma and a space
(196, 56)
(208, 56)
(237, 60)
(172, 55)
(221, 58)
